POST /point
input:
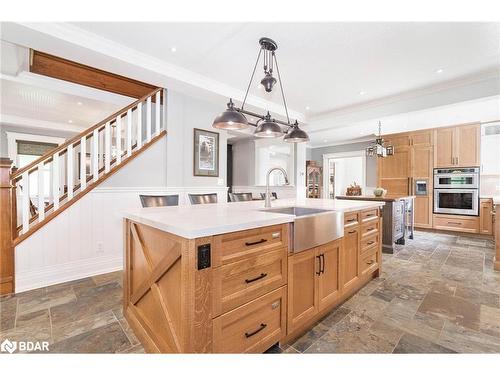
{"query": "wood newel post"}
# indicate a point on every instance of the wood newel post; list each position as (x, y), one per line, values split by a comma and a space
(13, 204)
(6, 243)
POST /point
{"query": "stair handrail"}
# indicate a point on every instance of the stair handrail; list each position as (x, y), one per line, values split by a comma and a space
(111, 118)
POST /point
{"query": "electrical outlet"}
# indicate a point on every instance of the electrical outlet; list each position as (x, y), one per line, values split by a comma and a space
(100, 250)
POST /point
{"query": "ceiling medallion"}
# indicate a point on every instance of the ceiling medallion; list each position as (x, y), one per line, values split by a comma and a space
(380, 149)
(233, 118)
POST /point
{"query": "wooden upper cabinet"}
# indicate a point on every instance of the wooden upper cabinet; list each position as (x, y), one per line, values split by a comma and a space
(468, 145)
(398, 139)
(422, 162)
(328, 280)
(422, 138)
(444, 149)
(458, 146)
(394, 171)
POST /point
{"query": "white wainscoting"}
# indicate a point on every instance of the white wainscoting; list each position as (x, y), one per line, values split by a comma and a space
(286, 191)
(87, 238)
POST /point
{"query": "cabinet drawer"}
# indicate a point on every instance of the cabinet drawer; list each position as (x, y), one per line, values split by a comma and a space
(232, 247)
(369, 241)
(369, 214)
(457, 223)
(253, 327)
(239, 282)
(369, 261)
(351, 218)
(370, 227)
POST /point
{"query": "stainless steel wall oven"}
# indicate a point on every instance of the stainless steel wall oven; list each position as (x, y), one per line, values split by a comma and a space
(456, 191)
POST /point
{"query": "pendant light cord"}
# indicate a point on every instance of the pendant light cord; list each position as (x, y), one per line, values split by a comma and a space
(251, 79)
(281, 87)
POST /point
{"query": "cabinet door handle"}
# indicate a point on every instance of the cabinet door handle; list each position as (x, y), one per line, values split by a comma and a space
(250, 334)
(323, 266)
(262, 275)
(262, 240)
(318, 272)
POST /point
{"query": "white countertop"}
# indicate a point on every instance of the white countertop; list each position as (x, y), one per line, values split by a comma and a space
(216, 218)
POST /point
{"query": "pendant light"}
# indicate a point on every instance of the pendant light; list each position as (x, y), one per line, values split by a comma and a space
(268, 128)
(380, 149)
(230, 119)
(296, 135)
(233, 118)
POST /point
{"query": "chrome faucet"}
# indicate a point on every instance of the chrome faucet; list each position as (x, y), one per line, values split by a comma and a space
(267, 203)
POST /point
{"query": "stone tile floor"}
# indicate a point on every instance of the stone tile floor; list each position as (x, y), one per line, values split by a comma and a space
(437, 294)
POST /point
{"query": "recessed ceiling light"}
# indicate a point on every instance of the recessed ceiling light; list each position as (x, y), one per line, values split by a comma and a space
(308, 108)
(362, 92)
(173, 49)
(79, 103)
(325, 140)
(70, 121)
(439, 71)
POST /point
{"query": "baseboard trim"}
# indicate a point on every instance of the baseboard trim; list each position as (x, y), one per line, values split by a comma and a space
(61, 273)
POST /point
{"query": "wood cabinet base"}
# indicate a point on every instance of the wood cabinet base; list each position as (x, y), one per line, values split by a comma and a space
(457, 223)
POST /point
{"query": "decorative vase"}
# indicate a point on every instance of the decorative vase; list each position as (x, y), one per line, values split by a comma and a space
(379, 192)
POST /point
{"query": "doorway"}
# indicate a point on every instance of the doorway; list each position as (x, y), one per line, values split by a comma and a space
(341, 170)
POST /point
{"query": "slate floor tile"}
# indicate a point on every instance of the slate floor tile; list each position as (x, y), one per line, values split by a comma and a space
(413, 344)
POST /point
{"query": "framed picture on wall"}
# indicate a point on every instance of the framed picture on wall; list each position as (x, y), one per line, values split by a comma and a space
(206, 153)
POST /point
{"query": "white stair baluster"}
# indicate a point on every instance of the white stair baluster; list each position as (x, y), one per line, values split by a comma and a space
(118, 139)
(95, 155)
(139, 125)
(41, 193)
(129, 132)
(55, 180)
(148, 120)
(107, 147)
(70, 165)
(83, 163)
(26, 201)
(157, 113)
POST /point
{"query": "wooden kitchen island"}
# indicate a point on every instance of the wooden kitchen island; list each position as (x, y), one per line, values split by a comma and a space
(220, 278)
(399, 218)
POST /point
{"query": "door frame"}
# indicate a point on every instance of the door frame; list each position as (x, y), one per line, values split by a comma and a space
(341, 155)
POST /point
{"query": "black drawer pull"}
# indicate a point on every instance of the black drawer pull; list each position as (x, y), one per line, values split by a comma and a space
(370, 229)
(262, 275)
(262, 240)
(369, 215)
(351, 231)
(323, 266)
(370, 262)
(351, 220)
(262, 326)
(370, 242)
(319, 265)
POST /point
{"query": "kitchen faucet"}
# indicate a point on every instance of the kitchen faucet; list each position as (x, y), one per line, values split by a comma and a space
(267, 203)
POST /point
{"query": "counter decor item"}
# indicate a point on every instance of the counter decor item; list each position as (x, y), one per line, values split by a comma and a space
(206, 153)
(354, 189)
(314, 178)
(379, 192)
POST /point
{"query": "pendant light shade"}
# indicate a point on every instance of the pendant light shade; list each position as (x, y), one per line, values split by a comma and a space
(230, 119)
(295, 134)
(268, 128)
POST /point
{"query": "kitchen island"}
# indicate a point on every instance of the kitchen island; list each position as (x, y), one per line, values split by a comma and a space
(399, 218)
(235, 277)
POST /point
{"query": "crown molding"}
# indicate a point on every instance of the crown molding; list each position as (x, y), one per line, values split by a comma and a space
(71, 42)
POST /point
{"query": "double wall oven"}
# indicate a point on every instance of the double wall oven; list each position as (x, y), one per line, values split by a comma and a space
(456, 191)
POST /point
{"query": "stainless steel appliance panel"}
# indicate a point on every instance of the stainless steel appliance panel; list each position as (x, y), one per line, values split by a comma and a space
(456, 201)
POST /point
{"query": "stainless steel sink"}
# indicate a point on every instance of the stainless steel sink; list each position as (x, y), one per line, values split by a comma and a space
(312, 226)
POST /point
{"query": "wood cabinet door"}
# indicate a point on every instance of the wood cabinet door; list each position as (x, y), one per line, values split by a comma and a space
(328, 281)
(398, 140)
(444, 147)
(394, 171)
(302, 297)
(349, 259)
(422, 166)
(486, 217)
(422, 138)
(467, 145)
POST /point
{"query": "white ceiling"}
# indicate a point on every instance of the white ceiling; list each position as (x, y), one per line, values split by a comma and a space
(324, 66)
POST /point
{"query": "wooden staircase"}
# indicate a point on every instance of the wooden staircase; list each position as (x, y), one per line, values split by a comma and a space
(32, 196)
